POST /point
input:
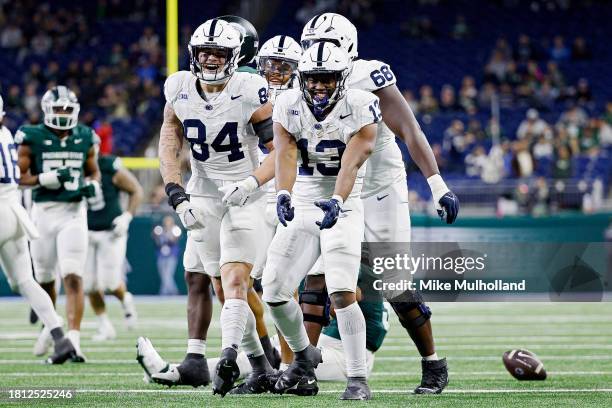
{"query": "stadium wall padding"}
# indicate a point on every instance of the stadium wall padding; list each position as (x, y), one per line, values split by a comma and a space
(143, 278)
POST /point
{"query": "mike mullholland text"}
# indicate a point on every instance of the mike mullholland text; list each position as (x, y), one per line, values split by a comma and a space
(435, 285)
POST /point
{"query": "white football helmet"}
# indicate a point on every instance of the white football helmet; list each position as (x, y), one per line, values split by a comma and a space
(331, 27)
(60, 107)
(323, 59)
(279, 55)
(213, 35)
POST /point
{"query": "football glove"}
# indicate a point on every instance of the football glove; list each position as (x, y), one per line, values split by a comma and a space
(190, 216)
(237, 194)
(54, 179)
(121, 224)
(332, 209)
(445, 201)
(91, 190)
(284, 210)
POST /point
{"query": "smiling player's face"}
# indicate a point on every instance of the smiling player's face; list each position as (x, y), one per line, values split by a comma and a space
(212, 60)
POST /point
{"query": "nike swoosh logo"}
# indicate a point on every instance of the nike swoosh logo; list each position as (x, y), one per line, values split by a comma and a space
(235, 97)
(77, 141)
(523, 355)
(380, 198)
(310, 382)
(345, 116)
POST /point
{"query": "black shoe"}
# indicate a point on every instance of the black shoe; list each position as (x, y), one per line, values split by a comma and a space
(63, 351)
(306, 387)
(33, 316)
(435, 377)
(192, 371)
(300, 368)
(226, 374)
(256, 384)
(356, 389)
(274, 358)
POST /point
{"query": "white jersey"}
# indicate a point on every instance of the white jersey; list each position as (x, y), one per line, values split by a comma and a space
(385, 165)
(223, 146)
(9, 171)
(321, 144)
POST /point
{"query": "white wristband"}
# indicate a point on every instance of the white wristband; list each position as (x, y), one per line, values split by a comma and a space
(49, 180)
(338, 198)
(282, 192)
(438, 187)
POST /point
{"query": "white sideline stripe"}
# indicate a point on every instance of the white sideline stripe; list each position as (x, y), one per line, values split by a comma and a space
(117, 348)
(456, 374)
(602, 357)
(374, 392)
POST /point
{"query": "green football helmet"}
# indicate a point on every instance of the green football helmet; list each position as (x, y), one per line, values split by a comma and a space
(250, 38)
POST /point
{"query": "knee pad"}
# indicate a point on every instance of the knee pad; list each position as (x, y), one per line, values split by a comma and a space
(316, 298)
(402, 309)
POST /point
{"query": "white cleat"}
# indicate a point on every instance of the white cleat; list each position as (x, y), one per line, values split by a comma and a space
(129, 310)
(43, 343)
(75, 338)
(105, 332)
(149, 359)
(169, 377)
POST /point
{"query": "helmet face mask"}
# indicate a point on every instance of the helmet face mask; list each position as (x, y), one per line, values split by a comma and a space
(277, 62)
(323, 72)
(61, 108)
(214, 50)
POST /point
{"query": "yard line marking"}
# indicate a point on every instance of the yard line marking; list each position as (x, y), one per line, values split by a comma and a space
(387, 391)
(456, 374)
(602, 357)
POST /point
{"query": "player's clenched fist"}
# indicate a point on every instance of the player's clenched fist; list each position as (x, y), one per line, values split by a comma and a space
(190, 216)
(55, 178)
(237, 194)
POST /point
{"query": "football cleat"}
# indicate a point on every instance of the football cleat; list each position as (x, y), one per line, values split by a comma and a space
(43, 343)
(255, 384)
(105, 332)
(129, 310)
(191, 371)
(149, 359)
(64, 350)
(300, 369)
(434, 378)
(306, 387)
(226, 374)
(356, 389)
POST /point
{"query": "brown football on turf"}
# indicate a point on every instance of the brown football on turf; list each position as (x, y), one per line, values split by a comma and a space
(524, 365)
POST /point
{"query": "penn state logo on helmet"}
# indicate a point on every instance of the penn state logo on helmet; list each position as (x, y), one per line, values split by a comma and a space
(214, 50)
(277, 62)
(331, 27)
(60, 107)
(250, 38)
(323, 70)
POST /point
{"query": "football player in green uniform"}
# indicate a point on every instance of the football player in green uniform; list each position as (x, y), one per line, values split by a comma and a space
(58, 160)
(108, 227)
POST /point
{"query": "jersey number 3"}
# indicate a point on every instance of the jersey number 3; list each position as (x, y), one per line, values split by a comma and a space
(199, 147)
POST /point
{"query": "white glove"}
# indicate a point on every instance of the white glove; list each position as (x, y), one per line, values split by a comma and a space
(438, 189)
(190, 216)
(121, 224)
(54, 179)
(237, 194)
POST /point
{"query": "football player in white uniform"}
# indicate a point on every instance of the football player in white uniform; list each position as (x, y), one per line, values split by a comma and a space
(334, 131)
(16, 230)
(211, 107)
(385, 195)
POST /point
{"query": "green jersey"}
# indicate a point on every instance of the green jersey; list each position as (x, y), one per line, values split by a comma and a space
(49, 152)
(373, 309)
(100, 215)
